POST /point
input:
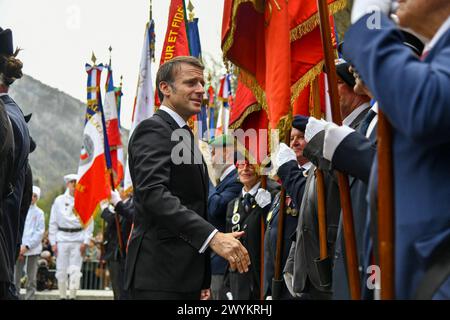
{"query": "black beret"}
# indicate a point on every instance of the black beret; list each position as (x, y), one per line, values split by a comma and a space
(6, 42)
(299, 122)
(343, 73)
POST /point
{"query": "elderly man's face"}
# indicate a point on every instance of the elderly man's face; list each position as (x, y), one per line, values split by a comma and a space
(298, 143)
(413, 13)
(247, 174)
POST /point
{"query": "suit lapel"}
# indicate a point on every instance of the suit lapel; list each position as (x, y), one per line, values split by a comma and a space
(174, 125)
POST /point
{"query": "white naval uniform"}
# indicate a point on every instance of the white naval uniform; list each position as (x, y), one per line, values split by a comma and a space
(68, 260)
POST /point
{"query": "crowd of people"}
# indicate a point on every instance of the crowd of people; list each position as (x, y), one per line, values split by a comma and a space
(190, 233)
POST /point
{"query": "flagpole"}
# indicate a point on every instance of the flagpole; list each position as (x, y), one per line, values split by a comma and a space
(116, 217)
(320, 182)
(386, 216)
(344, 189)
(277, 281)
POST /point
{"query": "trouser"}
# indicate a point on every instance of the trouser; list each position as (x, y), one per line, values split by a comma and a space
(68, 262)
(217, 287)
(114, 271)
(31, 263)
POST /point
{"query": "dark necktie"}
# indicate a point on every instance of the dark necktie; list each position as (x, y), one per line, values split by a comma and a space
(198, 158)
(247, 202)
(366, 121)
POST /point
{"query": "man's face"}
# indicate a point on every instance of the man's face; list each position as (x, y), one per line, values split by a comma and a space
(298, 143)
(71, 186)
(413, 13)
(185, 94)
(346, 97)
(247, 173)
(34, 198)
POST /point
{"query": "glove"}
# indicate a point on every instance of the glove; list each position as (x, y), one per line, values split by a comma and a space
(313, 127)
(115, 197)
(334, 135)
(284, 154)
(263, 197)
(362, 7)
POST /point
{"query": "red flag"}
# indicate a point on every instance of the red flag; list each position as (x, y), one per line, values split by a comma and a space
(248, 31)
(176, 40)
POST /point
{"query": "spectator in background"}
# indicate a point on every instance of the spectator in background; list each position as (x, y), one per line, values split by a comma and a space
(31, 246)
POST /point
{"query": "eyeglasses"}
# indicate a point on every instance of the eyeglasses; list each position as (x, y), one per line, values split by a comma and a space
(243, 164)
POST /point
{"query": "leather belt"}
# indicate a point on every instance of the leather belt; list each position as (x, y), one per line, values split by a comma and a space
(70, 229)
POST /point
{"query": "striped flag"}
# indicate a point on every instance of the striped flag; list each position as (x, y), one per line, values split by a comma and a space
(93, 186)
(112, 128)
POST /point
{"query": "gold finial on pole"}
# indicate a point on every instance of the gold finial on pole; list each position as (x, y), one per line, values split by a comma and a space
(121, 80)
(191, 11)
(93, 58)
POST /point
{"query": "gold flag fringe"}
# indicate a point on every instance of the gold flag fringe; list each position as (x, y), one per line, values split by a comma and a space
(305, 80)
(250, 109)
(313, 21)
(229, 41)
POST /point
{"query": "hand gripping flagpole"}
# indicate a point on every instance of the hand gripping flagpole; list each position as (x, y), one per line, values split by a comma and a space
(344, 189)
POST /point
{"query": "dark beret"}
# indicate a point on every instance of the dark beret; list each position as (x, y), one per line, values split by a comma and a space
(299, 122)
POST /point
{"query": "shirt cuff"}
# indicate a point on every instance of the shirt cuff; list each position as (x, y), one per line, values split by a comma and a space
(206, 243)
(333, 137)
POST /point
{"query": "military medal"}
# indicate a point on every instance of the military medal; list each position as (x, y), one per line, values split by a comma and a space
(236, 217)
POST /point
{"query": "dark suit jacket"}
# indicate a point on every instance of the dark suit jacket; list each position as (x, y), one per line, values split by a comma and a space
(416, 101)
(218, 199)
(13, 222)
(170, 212)
(6, 164)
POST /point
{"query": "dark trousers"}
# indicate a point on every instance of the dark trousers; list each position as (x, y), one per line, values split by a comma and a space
(8, 291)
(137, 294)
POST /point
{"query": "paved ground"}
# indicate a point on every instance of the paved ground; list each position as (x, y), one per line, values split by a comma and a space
(81, 294)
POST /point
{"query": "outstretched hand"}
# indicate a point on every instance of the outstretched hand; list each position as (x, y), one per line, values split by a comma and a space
(230, 248)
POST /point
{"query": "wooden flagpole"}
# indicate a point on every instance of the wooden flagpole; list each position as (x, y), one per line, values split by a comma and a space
(344, 189)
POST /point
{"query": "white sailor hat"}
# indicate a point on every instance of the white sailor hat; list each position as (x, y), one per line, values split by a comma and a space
(37, 191)
(70, 177)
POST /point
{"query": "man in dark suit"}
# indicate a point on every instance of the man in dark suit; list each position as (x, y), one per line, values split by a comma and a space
(168, 255)
(415, 101)
(227, 188)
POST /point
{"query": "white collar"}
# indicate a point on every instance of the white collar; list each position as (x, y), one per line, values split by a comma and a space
(252, 190)
(354, 114)
(3, 94)
(442, 29)
(175, 116)
(226, 172)
(306, 166)
(67, 193)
